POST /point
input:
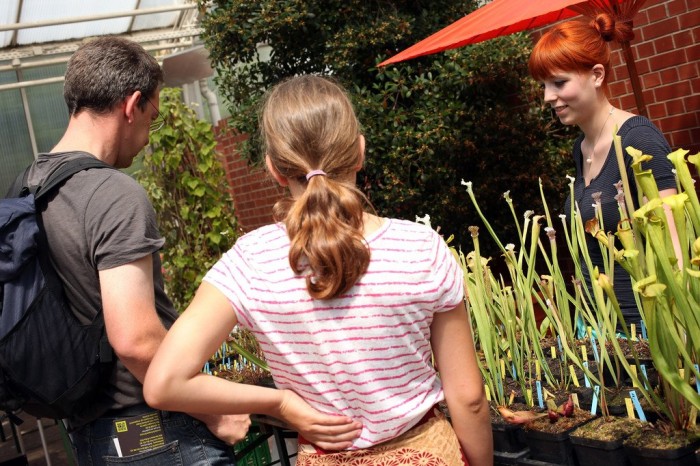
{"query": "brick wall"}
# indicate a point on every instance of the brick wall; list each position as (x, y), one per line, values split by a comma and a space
(253, 190)
(666, 48)
(667, 52)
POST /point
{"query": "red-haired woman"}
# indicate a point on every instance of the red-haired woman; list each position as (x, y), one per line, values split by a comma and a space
(572, 62)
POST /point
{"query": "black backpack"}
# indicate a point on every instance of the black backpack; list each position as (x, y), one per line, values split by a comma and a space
(50, 363)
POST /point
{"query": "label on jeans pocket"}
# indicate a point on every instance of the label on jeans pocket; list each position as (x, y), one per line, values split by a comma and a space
(139, 434)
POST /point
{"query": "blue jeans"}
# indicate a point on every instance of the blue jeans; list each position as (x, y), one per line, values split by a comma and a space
(188, 442)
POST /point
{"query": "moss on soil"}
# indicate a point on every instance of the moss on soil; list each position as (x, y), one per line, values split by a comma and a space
(608, 429)
(657, 439)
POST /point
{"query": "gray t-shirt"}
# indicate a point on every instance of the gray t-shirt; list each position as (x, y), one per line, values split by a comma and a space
(100, 219)
(640, 133)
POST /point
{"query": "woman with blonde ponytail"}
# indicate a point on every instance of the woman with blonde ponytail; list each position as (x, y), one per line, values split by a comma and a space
(326, 218)
(349, 308)
(572, 63)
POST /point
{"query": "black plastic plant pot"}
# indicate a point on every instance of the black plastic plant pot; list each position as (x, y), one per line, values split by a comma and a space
(508, 438)
(592, 452)
(683, 456)
(505, 458)
(551, 447)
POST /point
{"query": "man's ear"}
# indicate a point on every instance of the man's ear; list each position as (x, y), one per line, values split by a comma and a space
(361, 160)
(598, 74)
(131, 104)
(281, 180)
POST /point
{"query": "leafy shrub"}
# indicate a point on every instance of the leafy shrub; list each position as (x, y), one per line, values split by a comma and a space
(471, 113)
(183, 175)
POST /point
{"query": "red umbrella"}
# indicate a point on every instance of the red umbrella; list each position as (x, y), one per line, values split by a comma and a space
(503, 17)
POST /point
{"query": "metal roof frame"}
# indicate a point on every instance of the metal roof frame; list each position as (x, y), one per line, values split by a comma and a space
(175, 30)
(183, 34)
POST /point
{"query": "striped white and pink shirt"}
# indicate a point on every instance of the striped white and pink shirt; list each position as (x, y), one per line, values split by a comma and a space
(365, 354)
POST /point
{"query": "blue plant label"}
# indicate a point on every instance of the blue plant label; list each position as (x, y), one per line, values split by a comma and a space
(637, 406)
(697, 379)
(540, 400)
(585, 377)
(594, 402)
(561, 351)
(643, 368)
(595, 349)
(644, 329)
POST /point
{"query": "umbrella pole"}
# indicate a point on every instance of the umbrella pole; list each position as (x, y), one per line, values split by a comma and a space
(634, 78)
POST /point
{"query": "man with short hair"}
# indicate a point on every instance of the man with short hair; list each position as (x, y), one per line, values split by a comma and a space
(104, 244)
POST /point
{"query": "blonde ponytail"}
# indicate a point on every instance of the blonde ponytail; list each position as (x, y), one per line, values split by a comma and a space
(309, 125)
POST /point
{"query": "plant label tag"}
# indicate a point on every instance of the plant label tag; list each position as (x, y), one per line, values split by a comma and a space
(630, 408)
(574, 379)
(637, 406)
(635, 377)
(585, 377)
(561, 351)
(594, 402)
(540, 400)
(595, 350)
(643, 368)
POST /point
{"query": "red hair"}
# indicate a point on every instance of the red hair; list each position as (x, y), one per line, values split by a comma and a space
(577, 46)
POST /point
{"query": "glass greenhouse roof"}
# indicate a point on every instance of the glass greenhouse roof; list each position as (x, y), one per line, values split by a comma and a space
(39, 27)
(37, 37)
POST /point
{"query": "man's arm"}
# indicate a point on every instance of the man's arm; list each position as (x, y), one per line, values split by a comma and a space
(133, 326)
(135, 332)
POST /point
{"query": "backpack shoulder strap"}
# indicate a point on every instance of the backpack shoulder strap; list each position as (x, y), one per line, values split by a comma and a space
(53, 281)
(19, 184)
(67, 170)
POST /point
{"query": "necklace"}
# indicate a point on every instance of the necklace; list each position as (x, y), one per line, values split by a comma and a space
(592, 156)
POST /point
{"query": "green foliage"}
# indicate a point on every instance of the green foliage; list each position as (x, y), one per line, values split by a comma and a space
(183, 175)
(472, 113)
(668, 293)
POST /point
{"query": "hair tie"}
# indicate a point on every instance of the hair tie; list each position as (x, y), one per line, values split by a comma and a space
(313, 173)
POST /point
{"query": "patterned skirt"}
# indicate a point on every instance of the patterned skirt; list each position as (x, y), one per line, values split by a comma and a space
(432, 442)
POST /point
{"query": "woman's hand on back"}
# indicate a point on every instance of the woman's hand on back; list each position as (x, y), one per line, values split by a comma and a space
(326, 431)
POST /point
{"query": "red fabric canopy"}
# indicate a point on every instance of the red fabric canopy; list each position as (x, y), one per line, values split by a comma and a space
(498, 18)
(503, 17)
